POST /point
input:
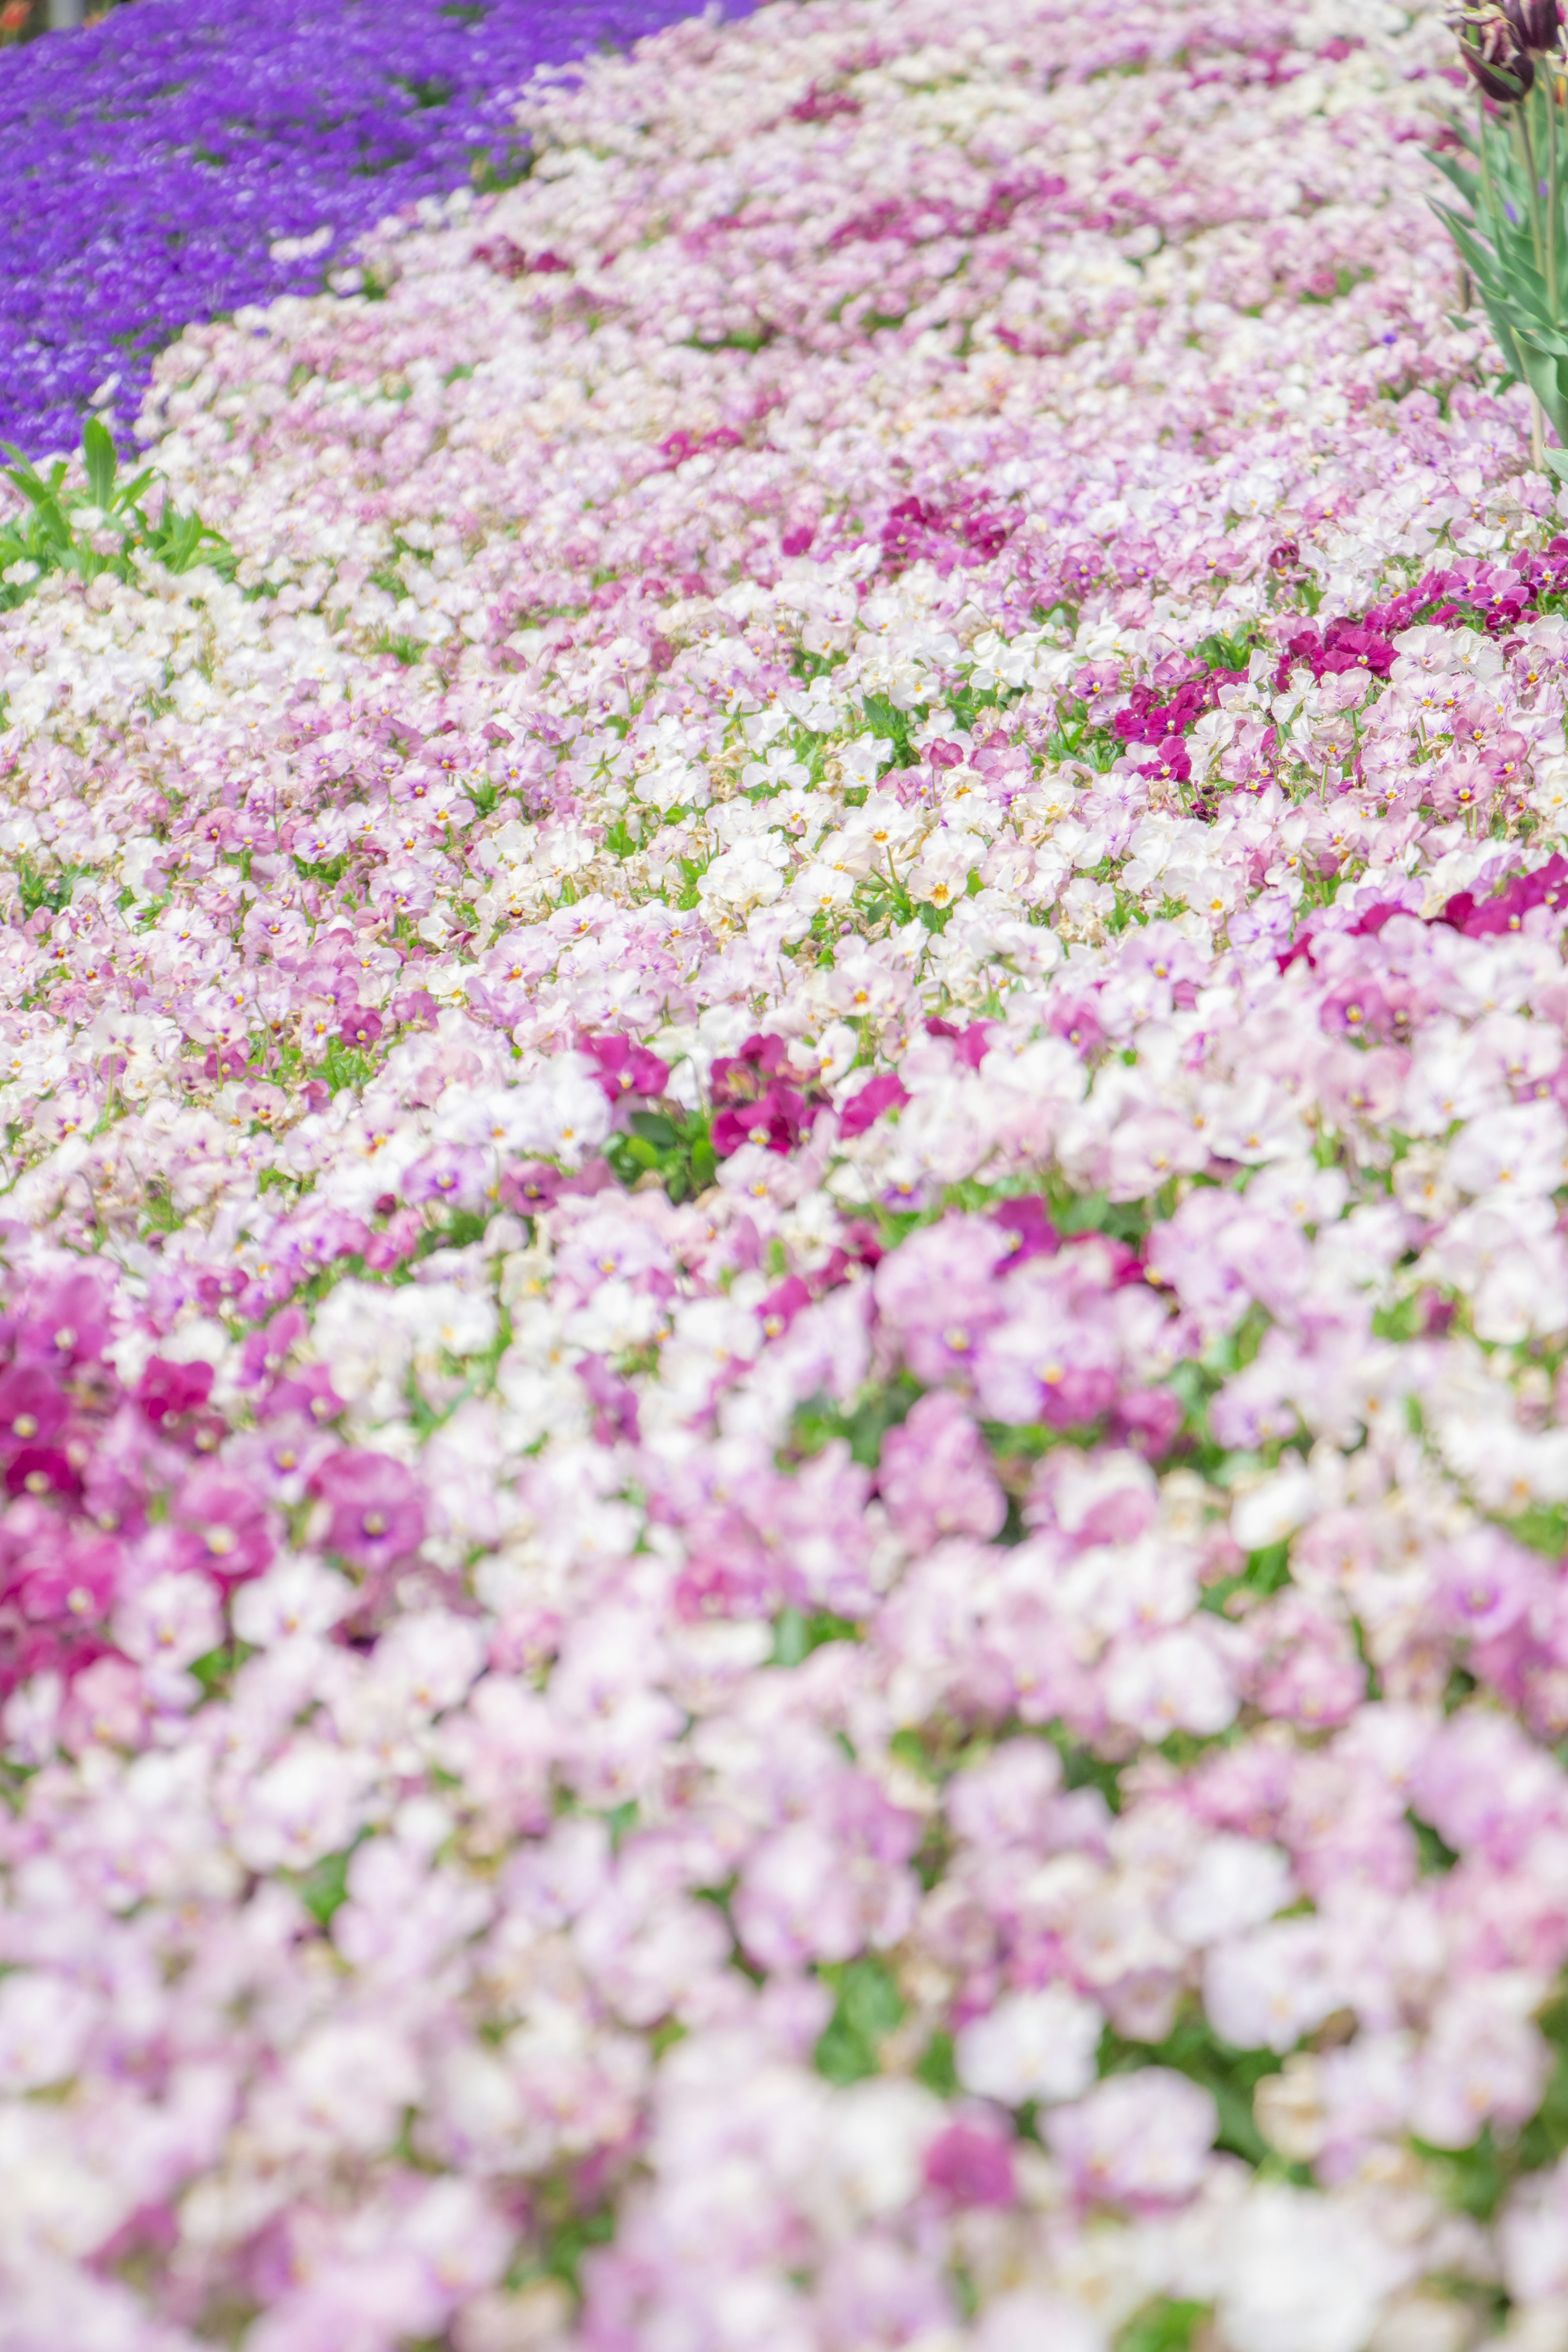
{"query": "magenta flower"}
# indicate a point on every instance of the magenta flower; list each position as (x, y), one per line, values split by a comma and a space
(782, 1305)
(69, 1578)
(626, 1067)
(42, 1470)
(359, 1026)
(1031, 1230)
(67, 1323)
(31, 1407)
(970, 2164)
(168, 1393)
(377, 1515)
(777, 1118)
(882, 1093)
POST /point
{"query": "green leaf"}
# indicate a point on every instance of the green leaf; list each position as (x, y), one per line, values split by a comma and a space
(1546, 380)
(323, 1888)
(868, 2008)
(1545, 338)
(101, 462)
(1162, 2326)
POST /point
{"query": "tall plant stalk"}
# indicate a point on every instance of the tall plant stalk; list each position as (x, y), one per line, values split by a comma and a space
(1512, 235)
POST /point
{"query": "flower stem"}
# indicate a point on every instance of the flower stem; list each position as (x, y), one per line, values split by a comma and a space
(1521, 133)
(1554, 206)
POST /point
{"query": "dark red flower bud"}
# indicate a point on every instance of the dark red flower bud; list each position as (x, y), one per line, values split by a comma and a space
(1493, 54)
(1537, 25)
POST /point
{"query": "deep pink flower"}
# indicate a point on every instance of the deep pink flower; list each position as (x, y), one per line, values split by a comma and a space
(32, 1408)
(614, 1401)
(625, 1067)
(308, 1391)
(266, 1352)
(528, 1185)
(71, 1579)
(42, 1470)
(780, 1307)
(168, 1391)
(360, 1027)
(1032, 1232)
(885, 1092)
(776, 1117)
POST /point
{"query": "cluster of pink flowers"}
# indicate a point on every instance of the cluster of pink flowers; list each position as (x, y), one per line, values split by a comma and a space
(784, 1289)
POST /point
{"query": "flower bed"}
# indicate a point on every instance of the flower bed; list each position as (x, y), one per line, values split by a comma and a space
(185, 157)
(785, 1286)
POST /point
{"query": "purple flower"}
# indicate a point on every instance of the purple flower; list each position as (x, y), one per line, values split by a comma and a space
(457, 1172)
(222, 144)
(777, 1117)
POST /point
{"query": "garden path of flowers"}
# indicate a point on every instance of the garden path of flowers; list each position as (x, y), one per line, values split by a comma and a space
(787, 1321)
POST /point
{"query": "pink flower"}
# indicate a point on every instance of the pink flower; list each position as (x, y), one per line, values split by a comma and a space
(229, 1523)
(168, 1393)
(936, 1476)
(970, 2164)
(1139, 2140)
(377, 1516)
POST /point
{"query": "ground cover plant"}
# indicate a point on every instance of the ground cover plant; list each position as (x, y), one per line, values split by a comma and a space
(786, 1299)
(183, 158)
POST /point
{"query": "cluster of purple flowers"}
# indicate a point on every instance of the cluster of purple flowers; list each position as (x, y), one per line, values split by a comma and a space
(187, 157)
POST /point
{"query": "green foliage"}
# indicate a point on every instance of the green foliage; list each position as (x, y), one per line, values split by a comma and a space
(1437, 1859)
(216, 1670)
(36, 889)
(935, 2067)
(884, 718)
(503, 167)
(864, 1423)
(1264, 1574)
(868, 2008)
(674, 1147)
(795, 1635)
(345, 1065)
(1512, 236)
(1162, 2326)
(1476, 2179)
(1195, 2050)
(323, 1888)
(51, 536)
(1227, 653)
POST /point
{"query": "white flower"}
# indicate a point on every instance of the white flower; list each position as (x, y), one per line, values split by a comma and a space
(1030, 2045)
